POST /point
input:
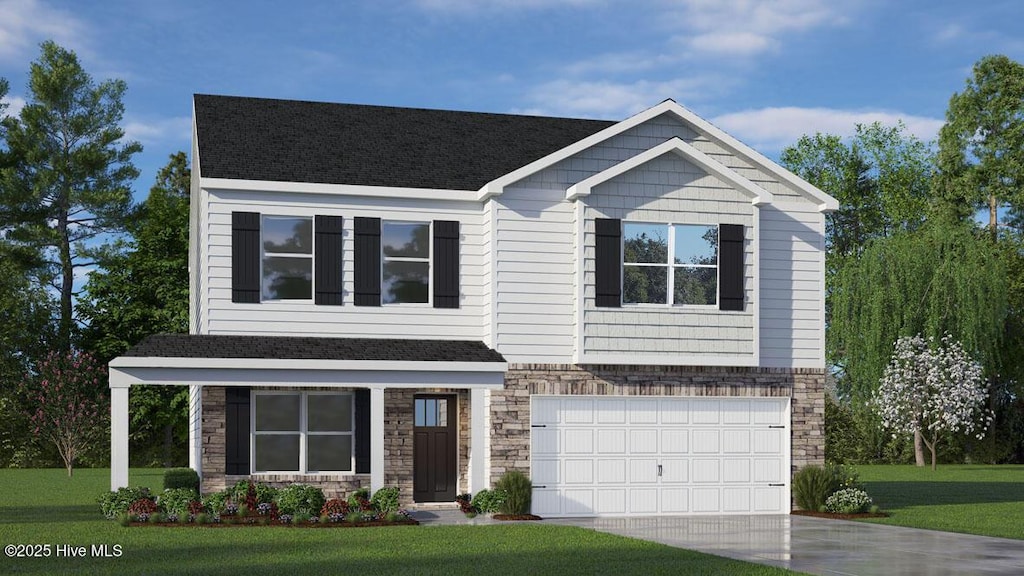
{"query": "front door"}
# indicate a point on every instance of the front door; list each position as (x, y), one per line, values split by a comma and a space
(435, 470)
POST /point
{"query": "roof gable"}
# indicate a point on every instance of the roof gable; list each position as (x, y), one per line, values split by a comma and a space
(296, 141)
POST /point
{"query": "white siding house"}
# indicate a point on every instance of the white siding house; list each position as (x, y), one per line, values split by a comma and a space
(630, 312)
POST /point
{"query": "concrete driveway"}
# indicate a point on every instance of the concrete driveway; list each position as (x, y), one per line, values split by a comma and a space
(821, 546)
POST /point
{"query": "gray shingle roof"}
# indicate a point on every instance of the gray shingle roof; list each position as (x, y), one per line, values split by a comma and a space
(311, 348)
(295, 141)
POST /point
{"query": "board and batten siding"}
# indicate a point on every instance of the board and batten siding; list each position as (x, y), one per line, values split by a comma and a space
(792, 286)
(669, 189)
(533, 282)
(304, 318)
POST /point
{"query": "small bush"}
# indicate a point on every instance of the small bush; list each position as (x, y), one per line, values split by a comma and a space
(113, 504)
(334, 506)
(360, 500)
(848, 501)
(142, 509)
(845, 476)
(355, 516)
(176, 500)
(300, 499)
(465, 503)
(252, 493)
(488, 501)
(181, 478)
(518, 492)
(385, 500)
(215, 502)
(812, 486)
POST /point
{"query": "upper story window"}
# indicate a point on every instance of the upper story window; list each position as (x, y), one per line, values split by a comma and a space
(287, 258)
(675, 264)
(405, 262)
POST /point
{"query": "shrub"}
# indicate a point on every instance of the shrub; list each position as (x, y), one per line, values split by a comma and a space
(252, 493)
(518, 491)
(360, 500)
(465, 503)
(300, 499)
(215, 502)
(488, 501)
(334, 506)
(848, 501)
(844, 476)
(113, 504)
(812, 485)
(176, 500)
(142, 508)
(181, 478)
(385, 500)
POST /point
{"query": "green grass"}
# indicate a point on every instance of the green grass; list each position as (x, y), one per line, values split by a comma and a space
(985, 500)
(46, 507)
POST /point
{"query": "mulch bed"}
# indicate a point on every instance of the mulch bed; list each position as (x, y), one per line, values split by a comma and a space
(839, 516)
(516, 517)
(409, 522)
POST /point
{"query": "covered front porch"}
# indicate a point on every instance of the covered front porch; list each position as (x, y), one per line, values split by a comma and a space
(268, 407)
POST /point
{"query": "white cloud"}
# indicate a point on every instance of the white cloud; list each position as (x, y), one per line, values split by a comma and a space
(772, 129)
(177, 129)
(613, 100)
(26, 23)
(14, 105)
(732, 43)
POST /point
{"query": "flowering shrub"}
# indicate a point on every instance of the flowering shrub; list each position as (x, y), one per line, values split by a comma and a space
(113, 504)
(932, 389)
(142, 508)
(230, 509)
(176, 500)
(360, 500)
(848, 501)
(268, 509)
(844, 476)
(334, 506)
(465, 503)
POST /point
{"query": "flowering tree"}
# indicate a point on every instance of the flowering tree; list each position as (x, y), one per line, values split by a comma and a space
(71, 403)
(932, 389)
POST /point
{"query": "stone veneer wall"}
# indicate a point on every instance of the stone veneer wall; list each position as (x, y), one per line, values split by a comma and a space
(510, 407)
(398, 447)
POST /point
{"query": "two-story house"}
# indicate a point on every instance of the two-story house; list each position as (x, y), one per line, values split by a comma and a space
(631, 313)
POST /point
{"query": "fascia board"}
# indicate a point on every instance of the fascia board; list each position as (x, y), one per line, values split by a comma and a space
(303, 364)
(826, 203)
(339, 189)
(497, 186)
(759, 196)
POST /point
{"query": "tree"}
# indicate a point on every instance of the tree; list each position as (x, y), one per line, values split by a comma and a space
(143, 290)
(71, 403)
(67, 184)
(981, 146)
(932, 389)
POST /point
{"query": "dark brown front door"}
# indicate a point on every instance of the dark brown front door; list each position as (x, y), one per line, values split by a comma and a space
(435, 473)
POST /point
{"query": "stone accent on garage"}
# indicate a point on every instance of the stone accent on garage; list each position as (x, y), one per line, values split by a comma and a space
(510, 408)
(398, 447)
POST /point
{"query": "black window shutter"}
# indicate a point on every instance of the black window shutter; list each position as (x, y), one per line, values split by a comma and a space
(608, 262)
(367, 261)
(245, 257)
(446, 264)
(236, 429)
(362, 431)
(327, 252)
(730, 267)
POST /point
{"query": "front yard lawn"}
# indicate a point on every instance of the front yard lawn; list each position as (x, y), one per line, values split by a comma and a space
(46, 507)
(972, 499)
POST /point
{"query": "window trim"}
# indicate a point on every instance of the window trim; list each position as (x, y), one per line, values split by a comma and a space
(303, 431)
(311, 256)
(384, 259)
(669, 266)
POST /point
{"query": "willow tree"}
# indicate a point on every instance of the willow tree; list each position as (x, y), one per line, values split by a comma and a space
(946, 277)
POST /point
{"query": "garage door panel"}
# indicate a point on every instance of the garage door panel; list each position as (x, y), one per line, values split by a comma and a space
(643, 441)
(593, 455)
(705, 442)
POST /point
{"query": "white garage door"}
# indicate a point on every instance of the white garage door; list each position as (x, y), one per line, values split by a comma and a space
(601, 455)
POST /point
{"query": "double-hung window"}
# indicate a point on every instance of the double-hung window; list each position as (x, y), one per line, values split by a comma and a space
(287, 258)
(303, 432)
(405, 259)
(673, 264)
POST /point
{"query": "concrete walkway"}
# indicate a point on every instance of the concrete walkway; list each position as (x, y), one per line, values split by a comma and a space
(812, 545)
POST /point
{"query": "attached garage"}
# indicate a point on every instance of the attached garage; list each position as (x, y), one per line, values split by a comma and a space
(621, 456)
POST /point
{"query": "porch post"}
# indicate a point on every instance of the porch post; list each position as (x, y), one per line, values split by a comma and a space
(195, 432)
(477, 440)
(376, 438)
(118, 437)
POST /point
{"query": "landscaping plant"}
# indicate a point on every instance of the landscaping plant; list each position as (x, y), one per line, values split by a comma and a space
(176, 500)
(848, 501)
(518, 491)
(300, 499)
(812, 485)
(488, 501)
(385, 500)
(181, 478)
(116, 503)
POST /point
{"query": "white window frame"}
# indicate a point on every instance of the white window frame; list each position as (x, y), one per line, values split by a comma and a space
(429, 260)
(312, 266)
(303, 431)
(669, 266)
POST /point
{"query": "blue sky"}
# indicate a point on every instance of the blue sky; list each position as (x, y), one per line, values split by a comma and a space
(765, 71)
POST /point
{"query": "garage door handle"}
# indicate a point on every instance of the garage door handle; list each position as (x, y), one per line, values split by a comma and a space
(777, 485)
(537, 487)
(659, 469)
(783, 427)
(538, 425)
